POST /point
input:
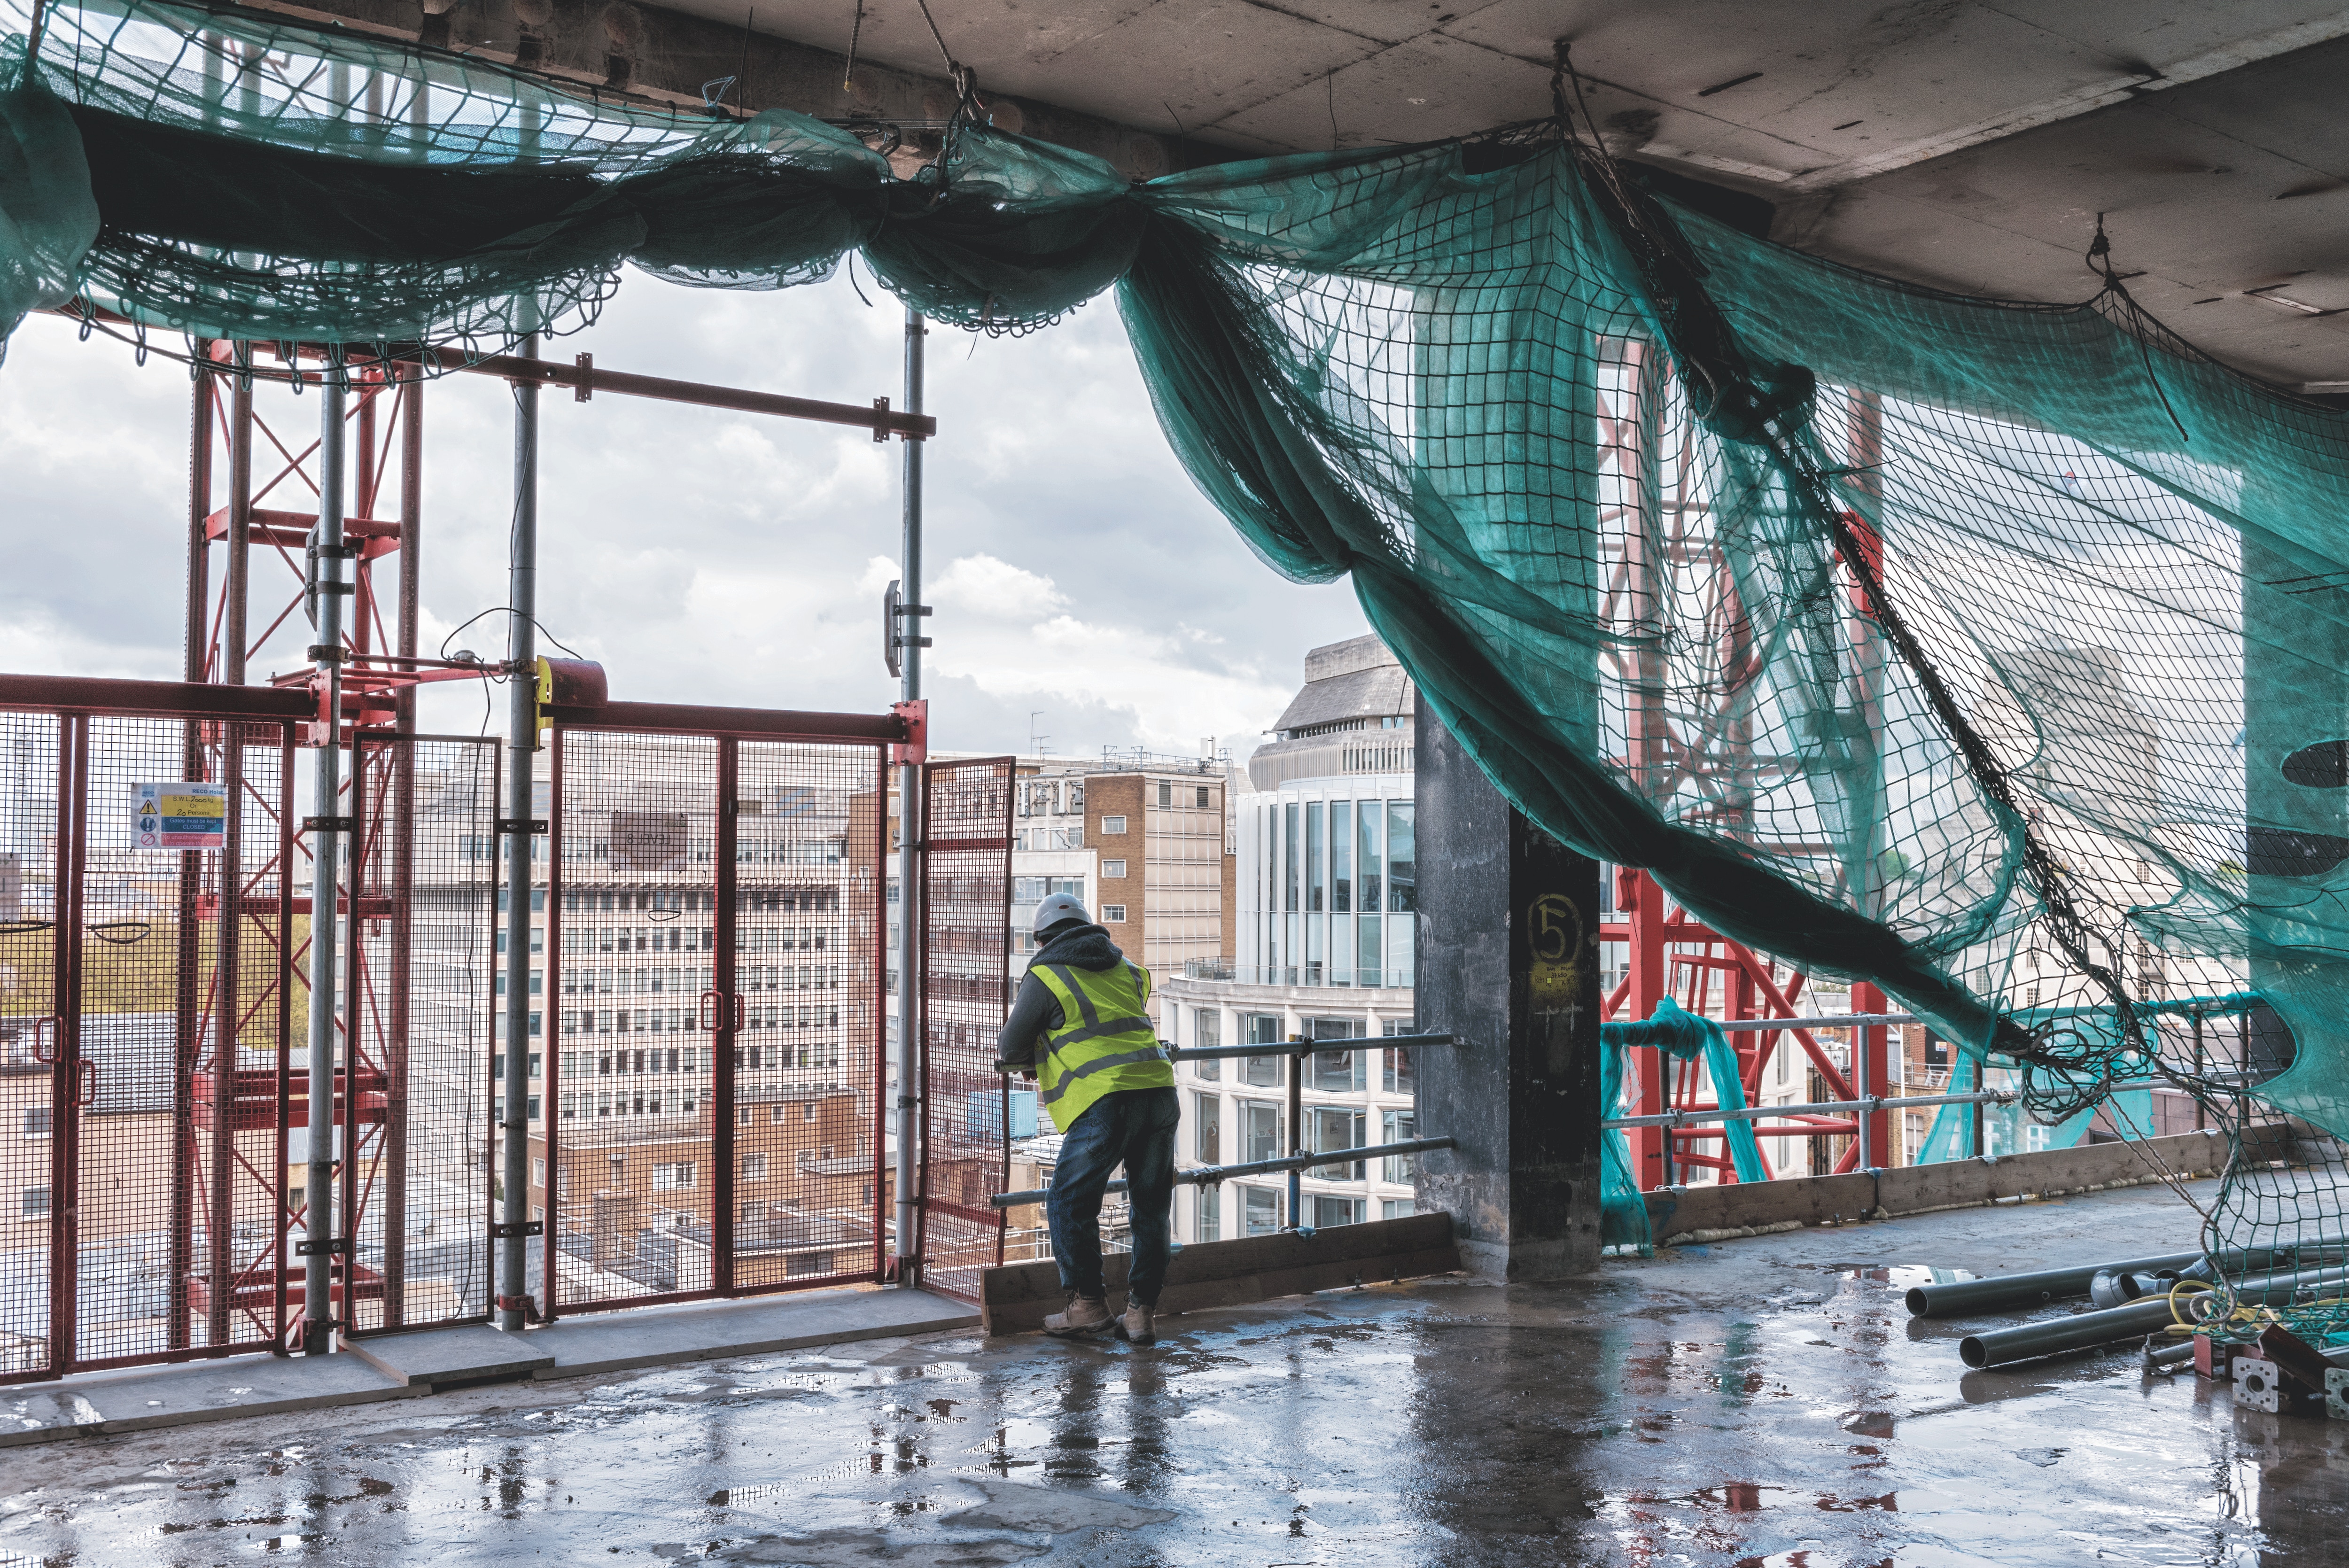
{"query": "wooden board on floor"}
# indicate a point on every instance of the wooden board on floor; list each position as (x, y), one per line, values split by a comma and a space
(1015, 1298)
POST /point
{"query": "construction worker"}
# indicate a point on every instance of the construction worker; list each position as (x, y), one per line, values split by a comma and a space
(1111, 1091)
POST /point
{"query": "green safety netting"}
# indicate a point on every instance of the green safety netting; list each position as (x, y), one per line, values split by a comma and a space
(1992, 652)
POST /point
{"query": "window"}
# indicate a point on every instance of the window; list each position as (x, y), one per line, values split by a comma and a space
(1329, 1211)
(1397, 1208)
(1112, 868)
(538, 1173)
(34, 1201)
(808, 1112)
(1260, 1128)
(1208, 1121)
(1342, 860)
(1400, 1127)
(1261, 1208)
(1113, 825)
(36, 1121)
(1210, 1222)
(1208, 1034)
(1260, 1029)
(1113, 914)
(808, 1264)
(1339, 1072)
(754, 1168)
(1202, 797)
(1316, 857)
(1333, 1129)
(669, 1178)
(1396, 1078)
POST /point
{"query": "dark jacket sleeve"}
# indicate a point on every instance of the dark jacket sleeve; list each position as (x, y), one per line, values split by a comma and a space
(1033, 1011)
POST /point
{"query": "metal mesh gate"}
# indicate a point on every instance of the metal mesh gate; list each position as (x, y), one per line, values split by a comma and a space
(966, 969)
(714, 1085)
(152, 994)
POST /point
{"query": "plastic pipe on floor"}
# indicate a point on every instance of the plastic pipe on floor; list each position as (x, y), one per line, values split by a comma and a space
(2003, 1292)
(2081, 1331)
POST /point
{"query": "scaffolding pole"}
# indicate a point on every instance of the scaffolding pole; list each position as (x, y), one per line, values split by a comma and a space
(327, 591)
(521, 745)
(910, 829)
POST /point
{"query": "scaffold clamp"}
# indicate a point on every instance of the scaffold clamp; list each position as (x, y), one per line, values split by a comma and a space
(505, 1230)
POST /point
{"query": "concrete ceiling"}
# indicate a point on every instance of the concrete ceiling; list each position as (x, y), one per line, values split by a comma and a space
(1953, 142)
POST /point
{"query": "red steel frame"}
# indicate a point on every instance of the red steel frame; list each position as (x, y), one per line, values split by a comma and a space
(730, 728)
(1672, 955)
(230, 435)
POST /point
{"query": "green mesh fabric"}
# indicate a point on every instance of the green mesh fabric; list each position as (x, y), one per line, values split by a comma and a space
(1997, 653)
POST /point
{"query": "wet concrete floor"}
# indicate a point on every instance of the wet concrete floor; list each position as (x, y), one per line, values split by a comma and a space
(1764, 1403)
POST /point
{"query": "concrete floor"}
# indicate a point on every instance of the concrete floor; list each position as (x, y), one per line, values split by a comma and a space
(1764, 1403)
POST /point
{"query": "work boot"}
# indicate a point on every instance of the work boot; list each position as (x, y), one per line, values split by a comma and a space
(1139, 1326)
(1085, 1318)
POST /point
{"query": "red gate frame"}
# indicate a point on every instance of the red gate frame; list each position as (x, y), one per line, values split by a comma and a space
(728, 726)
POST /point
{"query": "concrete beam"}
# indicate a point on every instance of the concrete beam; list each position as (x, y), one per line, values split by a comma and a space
(655, 54)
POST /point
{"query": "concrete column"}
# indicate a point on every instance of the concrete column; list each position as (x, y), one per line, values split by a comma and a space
(1508, 959)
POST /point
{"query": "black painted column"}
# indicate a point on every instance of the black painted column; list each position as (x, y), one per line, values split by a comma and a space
(1508, 959)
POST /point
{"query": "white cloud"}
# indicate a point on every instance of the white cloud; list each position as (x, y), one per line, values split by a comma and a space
(721, 558)
(982, 585)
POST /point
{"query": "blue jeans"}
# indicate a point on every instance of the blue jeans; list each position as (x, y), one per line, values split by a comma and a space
(1134, 1128)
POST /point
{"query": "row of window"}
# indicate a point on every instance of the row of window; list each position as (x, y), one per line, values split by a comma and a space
(692, 979)
(671, 1102)
(1263, 1134)
(652, 902)
(684, 1020)
(1342, 857)
(1261, 1211)
(659, 853)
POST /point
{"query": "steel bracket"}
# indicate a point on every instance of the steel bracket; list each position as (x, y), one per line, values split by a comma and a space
(522, 824)
(504, 1230)
(330, 824)
(328, 1246)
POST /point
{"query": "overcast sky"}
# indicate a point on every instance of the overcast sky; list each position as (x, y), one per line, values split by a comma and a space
(710, 557)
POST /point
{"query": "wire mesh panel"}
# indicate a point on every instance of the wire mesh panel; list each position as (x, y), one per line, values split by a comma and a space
(249, 1007)
(629, 1114)
(966, 966)
(807, 1159)
(420, 1048)
(31, 1081)
(129, 1039)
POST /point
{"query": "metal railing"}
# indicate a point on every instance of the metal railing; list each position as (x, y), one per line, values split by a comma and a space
(1295, 1164)
(1298, 1161)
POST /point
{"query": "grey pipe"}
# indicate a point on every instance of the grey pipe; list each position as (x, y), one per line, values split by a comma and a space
(2081, 1331)
(2004, 1293)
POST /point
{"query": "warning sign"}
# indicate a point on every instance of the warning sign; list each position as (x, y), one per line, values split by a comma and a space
(179, 816)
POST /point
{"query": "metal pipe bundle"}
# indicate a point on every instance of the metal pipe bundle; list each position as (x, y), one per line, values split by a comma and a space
(2029, 1341)
(2008, 1292)
(2005, 1293)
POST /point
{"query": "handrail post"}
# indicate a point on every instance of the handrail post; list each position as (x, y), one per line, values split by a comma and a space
(1295, 1131)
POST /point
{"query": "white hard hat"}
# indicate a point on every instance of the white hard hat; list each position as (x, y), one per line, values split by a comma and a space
(1060, 906)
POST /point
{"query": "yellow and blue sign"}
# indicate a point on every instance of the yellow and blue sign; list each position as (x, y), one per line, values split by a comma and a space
(179, 816)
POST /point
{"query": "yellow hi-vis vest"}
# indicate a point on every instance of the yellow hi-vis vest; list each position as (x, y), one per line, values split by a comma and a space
(1105, 1042)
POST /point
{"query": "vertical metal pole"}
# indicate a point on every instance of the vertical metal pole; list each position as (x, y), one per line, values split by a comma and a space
(522, 745)
(318, 1184)
(409, 409)
(910, 831)
(1296, 1130)
(240, 523)
(1859, 1082)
